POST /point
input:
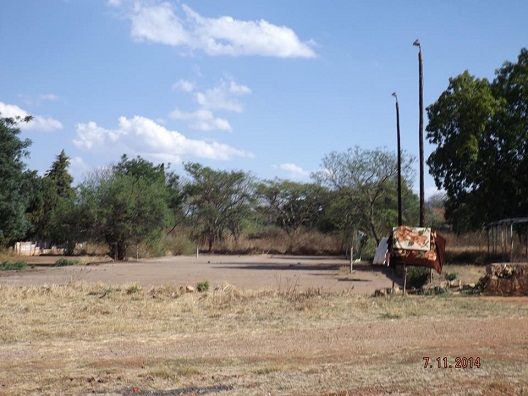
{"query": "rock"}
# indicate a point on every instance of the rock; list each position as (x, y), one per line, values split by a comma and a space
(455, 283)
(189, 289)
(506, 279)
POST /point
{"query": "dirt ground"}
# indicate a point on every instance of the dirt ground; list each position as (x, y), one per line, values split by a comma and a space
(76, 339)
(330, 274)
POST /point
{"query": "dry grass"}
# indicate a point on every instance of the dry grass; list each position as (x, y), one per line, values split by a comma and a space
(123, 340)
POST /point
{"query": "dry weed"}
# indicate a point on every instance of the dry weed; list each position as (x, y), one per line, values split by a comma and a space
(80, 338)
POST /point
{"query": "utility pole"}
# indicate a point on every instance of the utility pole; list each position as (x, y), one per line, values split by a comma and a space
(400, 221)
(420, 133)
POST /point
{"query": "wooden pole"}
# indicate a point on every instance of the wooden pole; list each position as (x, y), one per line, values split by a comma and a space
(404, 278)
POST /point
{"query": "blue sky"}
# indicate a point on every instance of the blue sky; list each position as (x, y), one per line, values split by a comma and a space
(268, 87)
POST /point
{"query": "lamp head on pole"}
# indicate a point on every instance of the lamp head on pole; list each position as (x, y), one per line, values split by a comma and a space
(417, 43)
(396, 96)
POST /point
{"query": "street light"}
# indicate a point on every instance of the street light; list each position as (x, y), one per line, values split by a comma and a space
(399, 160)
(420, 133)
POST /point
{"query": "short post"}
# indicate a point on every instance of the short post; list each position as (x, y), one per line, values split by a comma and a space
(197, 251)
(404, 279)
(351, 259)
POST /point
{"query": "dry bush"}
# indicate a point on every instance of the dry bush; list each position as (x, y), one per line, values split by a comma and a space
(466, 248)
(276, 241)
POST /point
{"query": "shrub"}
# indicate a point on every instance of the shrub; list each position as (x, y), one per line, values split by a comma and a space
(62, 262)
(417, 277)
(202, 286)
(451, 276)
(133, 289)
(13, 265)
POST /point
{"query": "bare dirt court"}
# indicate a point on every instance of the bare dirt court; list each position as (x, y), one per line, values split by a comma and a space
(330, 274)
(285, 326)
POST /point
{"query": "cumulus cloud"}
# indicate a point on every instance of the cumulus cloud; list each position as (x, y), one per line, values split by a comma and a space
(143, 136)
(183, 85)
(294, 170)
(38, 123)
(222, 96)
(202, 120)
(181, 26)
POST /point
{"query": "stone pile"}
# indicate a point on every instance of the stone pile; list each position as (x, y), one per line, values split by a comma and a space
(505, 279)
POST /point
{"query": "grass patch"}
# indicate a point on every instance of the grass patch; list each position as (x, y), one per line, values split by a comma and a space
(13, 265)
(202, 286)
(63, 262)
(109, 337)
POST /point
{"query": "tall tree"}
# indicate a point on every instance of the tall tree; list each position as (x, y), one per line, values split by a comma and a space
(365, 180)
(481, 133)
(14, 197)
(126, 204)
(291, 205)
(51, 208)
(218, 201)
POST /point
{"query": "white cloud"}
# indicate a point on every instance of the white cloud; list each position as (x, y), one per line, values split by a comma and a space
(143, 136)
(38, 123)
(78, 168)
(49, 97)
(222, 96)
(294, 170)
(158, 22)
(202, 120)
(183, 85)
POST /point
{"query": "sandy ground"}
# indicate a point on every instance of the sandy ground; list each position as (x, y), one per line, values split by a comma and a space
(245, 272)
(308, 351)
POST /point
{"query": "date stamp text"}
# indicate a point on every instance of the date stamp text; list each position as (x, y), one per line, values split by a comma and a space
(459, 362)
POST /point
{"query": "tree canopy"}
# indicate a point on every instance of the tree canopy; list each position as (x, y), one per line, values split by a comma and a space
(52, 203)
(218, 201)
(367, 188)
(480, 130)
(291, 205)
(126, 204)
(14, 181)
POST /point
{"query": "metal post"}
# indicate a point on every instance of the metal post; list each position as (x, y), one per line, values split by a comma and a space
(400, 222)
(420, 133)
(351, 259)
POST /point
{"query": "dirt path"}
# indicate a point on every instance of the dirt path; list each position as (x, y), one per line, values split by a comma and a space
(244, 272)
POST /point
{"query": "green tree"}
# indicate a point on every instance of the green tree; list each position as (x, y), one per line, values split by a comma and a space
(52, 203)
(291, 205)
(366, 189)
(480, 130)
(14, 181)
(217, 201)
(126, 204)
